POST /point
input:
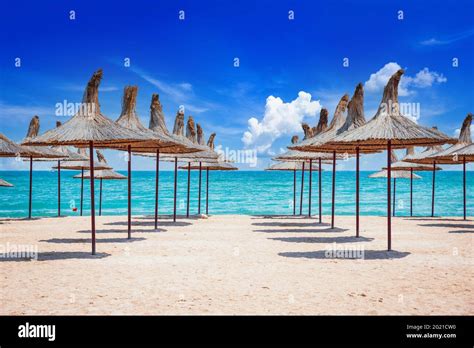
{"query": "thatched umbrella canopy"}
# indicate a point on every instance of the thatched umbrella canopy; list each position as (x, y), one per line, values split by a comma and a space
(105, 174)
(89, 127)
(466, 153)
(8, 148)
(47, 154)
(308, 157)
(451, 156)
(355, 119)
(5, 183)
(399, 174)
(386, 130)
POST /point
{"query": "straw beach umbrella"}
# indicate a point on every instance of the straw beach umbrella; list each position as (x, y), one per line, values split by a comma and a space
(411, 167)
(308, 157)
(389, 129)
(158, 124)
(80, 162)
(355, 118)
(5, 183)
(398, 174)
(212, 165)
(106, 174)
(295, 166)
(450, 155)
(89, 127)
(46, 153)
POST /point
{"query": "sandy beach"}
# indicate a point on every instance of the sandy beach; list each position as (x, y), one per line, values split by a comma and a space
(238, 265)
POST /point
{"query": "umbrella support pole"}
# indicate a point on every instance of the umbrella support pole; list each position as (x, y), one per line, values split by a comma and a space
(411, 191)
(91, 159)
(129, 191)
(157, 184)
(31, 188)
(433, 190)
(357, 189)
(188, 193)
(175, 187)
(464, 184)
(394, 194)
(82, 187)
(302, 189)
(319, 192)
(333, 187)
(310, 186)
(59, 188)
(199, 190)
(294, 191)
(389, 194)
(207, 191)
(100, 197)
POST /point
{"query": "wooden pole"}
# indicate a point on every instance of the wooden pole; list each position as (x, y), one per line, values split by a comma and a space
(320, 192)
(333, 187)
(59, 188)
(189, 185)
(294, 191)
(394, 194)
(157, 185)
(31, 188)
(129, 191)
(91, 172)
(433, 189)
(389, 195)
(175, 186)
(464, 183)
(100, 197)
(357, 189)
(207, 191)
(82, 187)
(302, 189)
(199, 190)
(411, 191)
(310, 186)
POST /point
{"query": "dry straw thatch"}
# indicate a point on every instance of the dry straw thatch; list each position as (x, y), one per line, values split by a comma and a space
(294, 155)
(5, 183)
(466, 152)
(89, 125)
(399, 174)
(83, 164)
(106, 174)
(450, 155)
(389, 124)
(209, 166)
(291, 166)
(355, 118)
(10, 149)
(417, 167)
(47, 154)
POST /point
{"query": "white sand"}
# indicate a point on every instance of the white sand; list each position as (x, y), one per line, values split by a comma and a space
(238, 265)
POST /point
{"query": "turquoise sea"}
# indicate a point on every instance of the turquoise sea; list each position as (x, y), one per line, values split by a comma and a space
(238, 192)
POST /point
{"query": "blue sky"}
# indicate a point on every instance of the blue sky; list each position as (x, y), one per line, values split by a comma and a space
(190, 62)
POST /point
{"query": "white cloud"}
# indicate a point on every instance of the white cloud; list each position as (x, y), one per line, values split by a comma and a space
(279, 119)
(423, 79)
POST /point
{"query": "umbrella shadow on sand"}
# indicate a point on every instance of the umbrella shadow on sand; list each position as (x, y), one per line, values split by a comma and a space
(434, 219)
(448, 225)
(54, 255)
(293, 217)
(167, 217)
(289, 224)
(87, 240)
(119, 230)
(367, 255)
(341, 239)
(462, 231)
(302, 230)
(149, 223)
